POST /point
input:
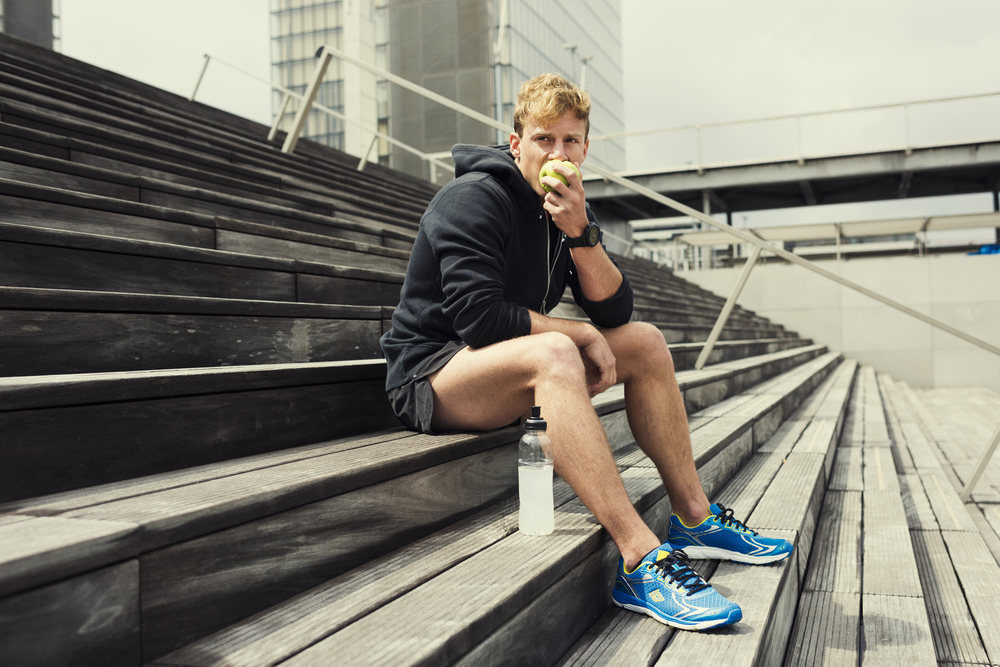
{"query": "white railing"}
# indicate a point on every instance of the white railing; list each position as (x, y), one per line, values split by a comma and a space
(307, 102)
(744, 236)
(792, 132)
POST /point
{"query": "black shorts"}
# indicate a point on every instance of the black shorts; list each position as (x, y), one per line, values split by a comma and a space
(413, 402)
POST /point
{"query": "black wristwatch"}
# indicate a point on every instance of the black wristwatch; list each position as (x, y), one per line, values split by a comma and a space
(592, 235)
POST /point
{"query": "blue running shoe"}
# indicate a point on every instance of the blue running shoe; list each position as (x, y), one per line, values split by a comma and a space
(725, 537)
(664, 586)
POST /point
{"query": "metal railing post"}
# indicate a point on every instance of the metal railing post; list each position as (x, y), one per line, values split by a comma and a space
(277, 119)
(980, 467)
(713, 337)
(364, 158)
(303, 113)
(200, 77)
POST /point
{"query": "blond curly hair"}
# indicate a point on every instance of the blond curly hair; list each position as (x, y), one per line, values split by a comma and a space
(545, 98)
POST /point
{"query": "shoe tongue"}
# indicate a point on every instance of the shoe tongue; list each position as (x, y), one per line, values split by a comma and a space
(715, 509)
(660, 555)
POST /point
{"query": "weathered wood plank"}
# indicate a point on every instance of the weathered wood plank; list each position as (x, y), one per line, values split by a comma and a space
(203, 585)
(91, 619)
(117, 441)
(767, 595)
(879, 469)
(919, 515)
(847, 473)
(896, 632)
(49, 343)
(836, 554)
(251, 244)
(39, 550)
(956, 638)
(50, 267)
(979, 575)
(537, 635)
(889, 565)
(478, 591)
(826, 632)
(620, 638)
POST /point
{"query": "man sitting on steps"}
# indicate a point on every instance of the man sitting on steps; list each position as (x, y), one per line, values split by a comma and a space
(472, 348)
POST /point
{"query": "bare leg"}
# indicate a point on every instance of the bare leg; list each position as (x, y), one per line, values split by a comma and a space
(656, 414)
(492, 386)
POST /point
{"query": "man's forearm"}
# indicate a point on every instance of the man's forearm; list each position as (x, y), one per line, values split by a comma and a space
(581, 333)
(599, 277)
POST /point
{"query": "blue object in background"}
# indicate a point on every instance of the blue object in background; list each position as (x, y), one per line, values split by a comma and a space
(987, 250)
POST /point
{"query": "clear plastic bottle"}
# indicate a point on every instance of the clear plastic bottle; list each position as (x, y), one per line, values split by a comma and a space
(536, 515)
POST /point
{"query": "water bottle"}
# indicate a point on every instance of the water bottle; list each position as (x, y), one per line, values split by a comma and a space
(536, 515)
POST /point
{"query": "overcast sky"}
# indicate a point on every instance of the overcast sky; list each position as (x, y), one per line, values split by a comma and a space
(685, 62)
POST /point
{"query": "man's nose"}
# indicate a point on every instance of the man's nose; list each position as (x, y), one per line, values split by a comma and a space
(558, 152)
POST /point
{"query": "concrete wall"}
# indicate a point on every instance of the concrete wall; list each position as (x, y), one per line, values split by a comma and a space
(960, 290)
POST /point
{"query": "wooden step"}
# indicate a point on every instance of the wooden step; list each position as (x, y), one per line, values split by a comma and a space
(257, 501)
(58, 259)
(51, 332)
(862, 593)
(779, 489)
(518, 581)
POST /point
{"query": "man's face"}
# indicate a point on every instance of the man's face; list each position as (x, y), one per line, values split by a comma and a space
(562, 140)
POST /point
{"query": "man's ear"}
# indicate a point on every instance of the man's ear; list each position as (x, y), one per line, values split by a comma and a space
(515, 145)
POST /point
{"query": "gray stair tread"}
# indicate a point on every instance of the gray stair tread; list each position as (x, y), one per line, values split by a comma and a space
(32, 392)
(826, 630)
(979, 576)
(763, 591)
(40, 549)
(889, 565)
(956, 637)
(767, 594)
(635, 474)
(835, 565)
(896, 631)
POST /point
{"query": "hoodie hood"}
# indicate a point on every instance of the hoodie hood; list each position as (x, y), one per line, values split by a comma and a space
(497, 162)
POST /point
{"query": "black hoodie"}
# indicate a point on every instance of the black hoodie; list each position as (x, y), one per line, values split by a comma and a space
(479, 264)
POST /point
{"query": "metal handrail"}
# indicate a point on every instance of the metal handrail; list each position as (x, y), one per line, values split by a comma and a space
(909, 146)
(316, 105)
(687, 210)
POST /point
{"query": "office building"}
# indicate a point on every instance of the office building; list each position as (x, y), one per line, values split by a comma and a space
(477, 52)
(36, 21)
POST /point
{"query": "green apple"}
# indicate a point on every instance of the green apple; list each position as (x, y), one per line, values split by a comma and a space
(547, 170)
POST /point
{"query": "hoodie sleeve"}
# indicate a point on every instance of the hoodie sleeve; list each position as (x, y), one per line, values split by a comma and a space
(468, 229)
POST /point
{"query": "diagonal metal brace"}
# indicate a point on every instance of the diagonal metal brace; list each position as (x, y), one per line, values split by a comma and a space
(727, 309)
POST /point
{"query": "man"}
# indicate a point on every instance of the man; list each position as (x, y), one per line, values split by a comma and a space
(472, 348)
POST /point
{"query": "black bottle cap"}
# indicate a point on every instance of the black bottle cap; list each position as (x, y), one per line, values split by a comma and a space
(535, 421)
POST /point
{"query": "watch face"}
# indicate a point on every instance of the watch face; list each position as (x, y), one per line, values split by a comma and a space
(593, 235)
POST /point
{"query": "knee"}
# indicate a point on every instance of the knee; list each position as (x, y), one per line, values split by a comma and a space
(649, 347)
(556, 354)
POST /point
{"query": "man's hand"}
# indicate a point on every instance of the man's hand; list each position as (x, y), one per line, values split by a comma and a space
(600, 362)
(567, 205)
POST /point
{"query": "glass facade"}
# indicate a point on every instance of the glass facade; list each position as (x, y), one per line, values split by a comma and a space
(298, 29)
(449, 47)
(580, 40)
(34, 20)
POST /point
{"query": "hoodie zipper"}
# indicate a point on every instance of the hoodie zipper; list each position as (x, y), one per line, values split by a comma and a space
(549, 258)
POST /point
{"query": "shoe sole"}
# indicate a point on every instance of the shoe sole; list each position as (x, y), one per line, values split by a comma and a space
(715, 553)
(681, 625)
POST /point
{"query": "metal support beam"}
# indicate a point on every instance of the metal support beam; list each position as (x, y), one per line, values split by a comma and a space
(981, 466)
(364, 158)
(197, 84)
(807, 192)
(727, 309)
(303, 113)
(905, 180)
(277, 119)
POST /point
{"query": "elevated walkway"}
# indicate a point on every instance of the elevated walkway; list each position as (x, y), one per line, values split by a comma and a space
(201, 468)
